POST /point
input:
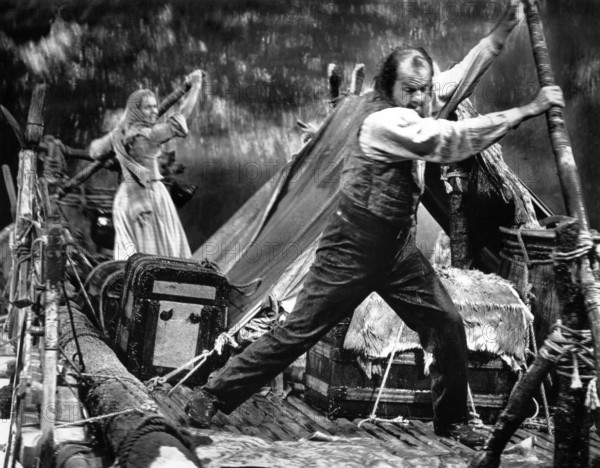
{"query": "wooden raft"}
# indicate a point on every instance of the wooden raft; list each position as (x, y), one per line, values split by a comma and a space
(274, 419)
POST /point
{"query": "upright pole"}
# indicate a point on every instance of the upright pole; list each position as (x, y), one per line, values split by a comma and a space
(570, 181)
(571, 264)
(561, 144)
(54, 268)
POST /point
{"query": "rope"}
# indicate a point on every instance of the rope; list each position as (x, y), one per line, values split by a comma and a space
(95, 418)
(222, 340)
(543, 386)
(373, 415)
(565, 343)
(584, 245)
(591, 395)
(156, 381)
(72, 321)
(457, 173)
(201, 361)
(99, 318)
(475, 418)
(151, 423)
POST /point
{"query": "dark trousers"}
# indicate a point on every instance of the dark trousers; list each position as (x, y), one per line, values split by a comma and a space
(358, 255)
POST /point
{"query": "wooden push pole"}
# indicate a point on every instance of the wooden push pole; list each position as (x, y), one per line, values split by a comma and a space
(568, 451)
(572, 433)
(561, 144)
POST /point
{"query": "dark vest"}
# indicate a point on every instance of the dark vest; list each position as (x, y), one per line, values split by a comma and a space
(387, 190)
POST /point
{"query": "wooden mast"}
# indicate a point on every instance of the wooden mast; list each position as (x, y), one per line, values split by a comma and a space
(572, 434)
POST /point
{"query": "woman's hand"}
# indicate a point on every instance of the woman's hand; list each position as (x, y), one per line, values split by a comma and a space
(195, 78)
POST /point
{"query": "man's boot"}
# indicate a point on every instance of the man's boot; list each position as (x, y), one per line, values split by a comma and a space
(201, 409)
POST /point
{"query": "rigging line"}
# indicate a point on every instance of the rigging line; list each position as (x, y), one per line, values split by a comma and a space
(95, 419)
(98, 317)
(72, 364)
(72, 320)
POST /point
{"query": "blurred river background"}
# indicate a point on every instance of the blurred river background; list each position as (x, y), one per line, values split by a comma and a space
(266, 62)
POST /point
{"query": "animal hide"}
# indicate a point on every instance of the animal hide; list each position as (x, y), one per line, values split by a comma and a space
(496, 320)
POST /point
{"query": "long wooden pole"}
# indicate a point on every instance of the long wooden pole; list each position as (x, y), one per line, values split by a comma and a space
(570, 450)
(567, 172)
(559, 137)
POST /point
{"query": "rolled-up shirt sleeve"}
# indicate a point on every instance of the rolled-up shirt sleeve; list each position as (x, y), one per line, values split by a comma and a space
(399, 133)
(458, 82)
(174, 126)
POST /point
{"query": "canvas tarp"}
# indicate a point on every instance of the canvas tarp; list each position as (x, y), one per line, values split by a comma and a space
(280, 221)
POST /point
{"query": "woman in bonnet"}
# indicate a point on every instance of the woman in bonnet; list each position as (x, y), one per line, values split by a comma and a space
(144, 216)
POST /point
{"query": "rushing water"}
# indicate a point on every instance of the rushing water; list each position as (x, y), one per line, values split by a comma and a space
(267, 62)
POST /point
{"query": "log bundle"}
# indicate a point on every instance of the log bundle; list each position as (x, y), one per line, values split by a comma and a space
(136, 431)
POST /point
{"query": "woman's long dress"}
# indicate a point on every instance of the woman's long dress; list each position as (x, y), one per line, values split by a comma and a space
(144, 215)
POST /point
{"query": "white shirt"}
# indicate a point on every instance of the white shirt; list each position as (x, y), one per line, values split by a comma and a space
(398, 133)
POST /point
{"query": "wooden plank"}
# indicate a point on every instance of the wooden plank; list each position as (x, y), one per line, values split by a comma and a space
(280, 418)
(413, 443)
(313, 415)
(269, 420)
(404, 436)
(350, 429)
(423, 430)
(245, 420)
(540, 441)
(247, 427)
(391, 443)
(309, 424)
(221, 420)
(426, 436)
(430, 441)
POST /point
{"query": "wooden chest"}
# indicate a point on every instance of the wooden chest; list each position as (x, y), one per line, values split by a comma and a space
(171, 310)
(336, 384)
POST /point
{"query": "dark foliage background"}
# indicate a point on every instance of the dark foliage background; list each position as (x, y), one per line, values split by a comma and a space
(267, 62)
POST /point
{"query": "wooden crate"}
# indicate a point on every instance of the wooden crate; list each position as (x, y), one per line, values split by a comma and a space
(337, 385)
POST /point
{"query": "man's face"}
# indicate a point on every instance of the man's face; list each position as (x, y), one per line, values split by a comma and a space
(149, 108)
(413, 84)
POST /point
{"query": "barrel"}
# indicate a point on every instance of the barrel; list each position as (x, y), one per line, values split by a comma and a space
(527, 262)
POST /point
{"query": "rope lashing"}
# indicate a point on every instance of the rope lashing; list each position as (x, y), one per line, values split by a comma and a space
(533, 341)
(565, 345)
(585, 244)
(97, 316)
(475, 418)
(591, 395)
(446, 175)
(152, 423)
(223, 340)
(95, 418)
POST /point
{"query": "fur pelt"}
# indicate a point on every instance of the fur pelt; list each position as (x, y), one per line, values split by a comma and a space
(496, 320)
